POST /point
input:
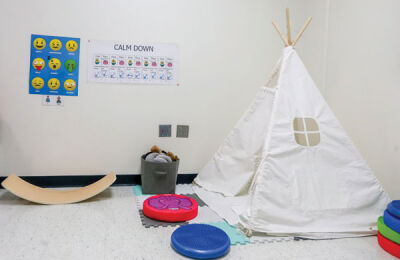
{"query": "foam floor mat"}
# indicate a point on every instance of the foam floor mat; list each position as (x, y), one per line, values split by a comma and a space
(205, 216)
(149, 222)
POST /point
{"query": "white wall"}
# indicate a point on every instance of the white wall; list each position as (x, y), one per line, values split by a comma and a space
(227, 50)
(362, 82)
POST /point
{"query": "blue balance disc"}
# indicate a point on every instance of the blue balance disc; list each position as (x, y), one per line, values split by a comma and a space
(200, 241)
(394, 208)
(391, 221)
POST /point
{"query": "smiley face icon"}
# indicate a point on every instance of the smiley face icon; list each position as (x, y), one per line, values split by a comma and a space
(53, 84)
(38, 64)
(39, 43)
(55, 44)
(69, 85)
(71, 45)
(37, 83)
(54, 64)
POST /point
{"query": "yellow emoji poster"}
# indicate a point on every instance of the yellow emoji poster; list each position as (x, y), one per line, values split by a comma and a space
(54, 65)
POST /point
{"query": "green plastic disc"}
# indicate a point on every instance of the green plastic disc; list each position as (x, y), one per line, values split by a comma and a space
(387, 231)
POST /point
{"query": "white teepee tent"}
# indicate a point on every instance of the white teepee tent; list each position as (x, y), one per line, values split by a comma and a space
(288, 167)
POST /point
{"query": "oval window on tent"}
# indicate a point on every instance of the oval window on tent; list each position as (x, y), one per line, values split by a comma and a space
(306, 131)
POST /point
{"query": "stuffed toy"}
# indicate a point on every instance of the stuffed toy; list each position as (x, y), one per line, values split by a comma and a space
(157, 155)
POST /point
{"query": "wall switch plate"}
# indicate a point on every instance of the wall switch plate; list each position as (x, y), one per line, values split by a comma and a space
(164, 131)
(182, 131)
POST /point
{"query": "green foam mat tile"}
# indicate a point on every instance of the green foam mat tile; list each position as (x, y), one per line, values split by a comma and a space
(137, 190)
(233, 233)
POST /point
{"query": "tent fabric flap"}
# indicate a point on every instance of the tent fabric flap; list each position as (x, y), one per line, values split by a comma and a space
(234, 164)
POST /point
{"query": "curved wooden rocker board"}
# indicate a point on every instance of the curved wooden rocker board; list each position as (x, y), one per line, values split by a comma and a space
(33, 193)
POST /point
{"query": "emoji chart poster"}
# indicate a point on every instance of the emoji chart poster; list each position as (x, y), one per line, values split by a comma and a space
(54, 68)
(117, 62)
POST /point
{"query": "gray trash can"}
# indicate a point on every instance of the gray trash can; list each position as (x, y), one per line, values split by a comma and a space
(158, 178)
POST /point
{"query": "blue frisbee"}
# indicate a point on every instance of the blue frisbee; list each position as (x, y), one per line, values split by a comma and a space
(200, 241)
(391, 221)
(394, 208)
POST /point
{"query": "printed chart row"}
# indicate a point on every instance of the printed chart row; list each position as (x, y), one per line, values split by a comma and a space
(160, 76)
(132, 61)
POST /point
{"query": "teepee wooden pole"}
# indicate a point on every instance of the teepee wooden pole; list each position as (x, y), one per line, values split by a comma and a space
(302, 30)
(289, 38)
(280, 33)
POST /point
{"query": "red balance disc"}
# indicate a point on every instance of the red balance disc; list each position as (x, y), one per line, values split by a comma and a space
(390, 246)
(170, 208)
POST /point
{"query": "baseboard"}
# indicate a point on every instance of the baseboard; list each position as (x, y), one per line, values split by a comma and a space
(83, 180)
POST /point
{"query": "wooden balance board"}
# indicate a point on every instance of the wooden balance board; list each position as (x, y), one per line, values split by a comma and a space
(25, 190)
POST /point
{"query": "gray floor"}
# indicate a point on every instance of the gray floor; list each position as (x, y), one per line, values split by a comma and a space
(108, 227)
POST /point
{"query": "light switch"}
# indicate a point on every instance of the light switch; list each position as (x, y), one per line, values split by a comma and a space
(182, 131)
(164, 131)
